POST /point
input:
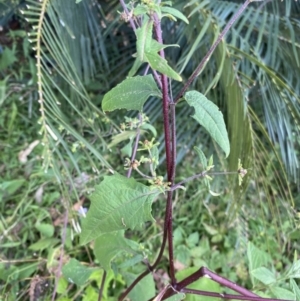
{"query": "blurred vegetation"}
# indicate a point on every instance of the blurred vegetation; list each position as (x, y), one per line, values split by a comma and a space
(58, 59)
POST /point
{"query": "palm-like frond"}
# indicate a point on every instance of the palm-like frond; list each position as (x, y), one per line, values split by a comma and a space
(70, 52)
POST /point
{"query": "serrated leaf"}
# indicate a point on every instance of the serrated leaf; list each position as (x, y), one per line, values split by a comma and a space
(202, 157)
(131, 94)
(77, 273)
(144, 38)
(256, 258)
(158, 63)
(147, 49)
(175, 12)
(108, 246)
(295, 288)
(282, 293)
(294, 271)
(263, 275)
(140, 10)
(210, 117)
(118, 203)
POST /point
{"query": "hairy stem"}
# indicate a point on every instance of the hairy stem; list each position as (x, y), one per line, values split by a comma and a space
(211, 50)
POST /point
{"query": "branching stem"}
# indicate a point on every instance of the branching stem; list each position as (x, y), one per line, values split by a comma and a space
(211, 50)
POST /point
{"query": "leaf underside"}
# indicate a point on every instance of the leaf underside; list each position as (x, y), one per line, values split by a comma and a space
(210, 117)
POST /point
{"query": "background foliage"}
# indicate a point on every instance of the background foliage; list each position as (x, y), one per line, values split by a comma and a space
(56, 67)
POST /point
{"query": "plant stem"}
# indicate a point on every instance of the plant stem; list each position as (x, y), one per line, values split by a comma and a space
(201, 175)
(228, 296)
(204, 272)
(211, 50)
(102, 286)
(137, 139)
(133, 284)
(170, 150)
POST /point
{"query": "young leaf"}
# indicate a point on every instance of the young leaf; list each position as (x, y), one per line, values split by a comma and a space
(256, 258)
(77, 273)
(282, 293)
(264, 275)
(202, 157)
(147, 49)
(144, 38)
(294, 286)
(174, 12)
(158, 63)
(210, 117)
(108, 246)
(118, 203)
(131, 94)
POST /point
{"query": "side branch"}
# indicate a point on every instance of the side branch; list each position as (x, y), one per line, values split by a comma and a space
(211, 50)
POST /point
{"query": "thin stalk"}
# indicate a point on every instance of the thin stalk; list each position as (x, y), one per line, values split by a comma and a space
(133, 284)
(102, 286)
(211, 50)
(137, 139)
(205, 272)
(202, 175)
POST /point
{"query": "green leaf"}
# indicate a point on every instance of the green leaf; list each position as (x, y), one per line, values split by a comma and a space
(44, 243)
(145, 289)
(210, 117)
(77, 273)
(140, 10)
(160, 64)
(174, 12)
(118, 203)
(192, 240)
(144, 38)
(108, 246)
(11, 187)
(7, 58)
(263, 275)
(45, 229)
(257, 258)
(131, 94)
(121, 137)
(282, 293)
(177, 297)
(295, 288)
(62, 285)
(202, 157)
(147, 49)
(294, 271)
(147, 126)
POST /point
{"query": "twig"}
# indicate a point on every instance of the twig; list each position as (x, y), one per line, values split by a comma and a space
(102, 285)
(211, 50)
